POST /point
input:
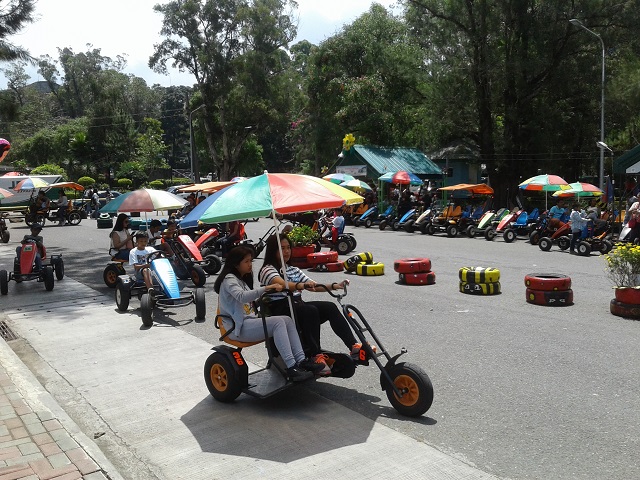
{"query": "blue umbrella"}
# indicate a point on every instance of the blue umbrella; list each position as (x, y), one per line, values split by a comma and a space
(191, 219)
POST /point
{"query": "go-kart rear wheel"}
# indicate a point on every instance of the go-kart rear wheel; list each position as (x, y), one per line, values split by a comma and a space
(110, 275)
(415, 385)
(605, 247)
(352, 243)
(509, 235)
(123, 295)
(430, 229)
(74, 218)
(221, 379)
(490, 234)
(58, 268)
(564, 243)
(408, 227)
(214, 265)
(545, 244)
(201, 308)
(471, 231)
(4, 236)
(584, 248)
(146, 310)
(198, 276)
(367, 223)
(343, 246)
(4, 282)
(47, 275)
(534, 237)
(395, 226)
(382, 225)
(452, 231)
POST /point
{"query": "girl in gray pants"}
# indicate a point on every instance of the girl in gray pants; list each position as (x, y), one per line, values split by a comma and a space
(236, 298)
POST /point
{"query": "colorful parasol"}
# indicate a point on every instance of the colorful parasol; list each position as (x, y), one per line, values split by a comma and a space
(31, 183)
(277, 193)
(401, 177)
(338, 178)
(207, 187)
(474, 189)
(580, 189)
(144, 200)
(356, 185)
(5, 193)
(545, 183)
(71, 185)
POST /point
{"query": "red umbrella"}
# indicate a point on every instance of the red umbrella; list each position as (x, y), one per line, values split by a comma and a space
(403, 177)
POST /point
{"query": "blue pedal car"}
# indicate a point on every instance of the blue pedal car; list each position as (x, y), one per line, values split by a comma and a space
(166, 292)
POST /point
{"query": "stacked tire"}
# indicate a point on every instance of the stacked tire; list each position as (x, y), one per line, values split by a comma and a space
(324, 262)
(299, 256)
(363, 264)
(414, 271)
(549, 289)
(479, 280)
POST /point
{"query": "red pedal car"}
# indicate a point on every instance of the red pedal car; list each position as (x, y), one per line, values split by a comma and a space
(24, 268)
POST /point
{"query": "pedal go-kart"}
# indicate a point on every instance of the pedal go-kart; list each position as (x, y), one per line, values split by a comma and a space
(447, 221)
(24, 268)
(226, 373)
(559, 236)
(341, 241)
(166, 292)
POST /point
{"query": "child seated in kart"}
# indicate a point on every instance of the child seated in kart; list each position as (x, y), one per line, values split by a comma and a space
(336, 228)
(139, 258)
(37, 238)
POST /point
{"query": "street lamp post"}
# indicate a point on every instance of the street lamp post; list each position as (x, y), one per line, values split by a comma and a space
(578, 23)
(191, 142)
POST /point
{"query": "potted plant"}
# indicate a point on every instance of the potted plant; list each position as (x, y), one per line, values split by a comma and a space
(302, 240)
(623, 269)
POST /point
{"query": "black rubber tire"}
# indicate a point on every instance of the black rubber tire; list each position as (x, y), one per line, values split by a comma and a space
(562, 298)
(201, 306)
(4, 282)
(110, 276)
(146, 310)
(545, 244)
(214, 266)
(534, 237)
(489, 234)
(479, 274)
(564, 243)
(367, 223)
(74, 218)
(547, 282)
(382, 225)
(408, 227)
(412, 265)
(198, 276)
(123, 295)
(395, 226)
(58, 268)
(471, 231)
(584, 249)
(343, 246)
(430, 229)
(488, 288)
(5, 236)
(509, 235)
(605, 247)
(419, 389)
(49, 280)
(220, 378)
(625, 310)
(353, 243)
(452, 231)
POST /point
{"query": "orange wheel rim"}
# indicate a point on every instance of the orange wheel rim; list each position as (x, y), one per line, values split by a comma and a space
(219, 378)
(112, 277)
(410, 390)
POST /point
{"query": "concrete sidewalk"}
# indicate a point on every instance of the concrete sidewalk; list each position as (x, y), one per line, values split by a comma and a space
(143, 390)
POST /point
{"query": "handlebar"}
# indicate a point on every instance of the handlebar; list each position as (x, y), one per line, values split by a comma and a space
(322, 286)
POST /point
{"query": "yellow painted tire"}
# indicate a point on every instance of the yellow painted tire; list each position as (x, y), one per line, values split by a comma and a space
(370, 269)
(351, 262)
(479, 275)
(490, 288)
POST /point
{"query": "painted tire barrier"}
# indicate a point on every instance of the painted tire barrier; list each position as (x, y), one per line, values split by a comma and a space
(320, 258)
(412, 265)
(370, 269)
(334, 266)
(300, 262)
(488, 288)
(351, 262)
(559, 298)
(423, 278)
(547, 282)
(626, 310)
(479, 275)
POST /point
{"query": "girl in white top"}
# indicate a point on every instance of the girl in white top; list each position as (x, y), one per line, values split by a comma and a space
(121, 238)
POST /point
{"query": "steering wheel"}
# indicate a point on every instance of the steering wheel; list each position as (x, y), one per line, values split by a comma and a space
(157, 254)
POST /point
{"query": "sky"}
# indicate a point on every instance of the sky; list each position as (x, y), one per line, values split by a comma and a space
(131, 27)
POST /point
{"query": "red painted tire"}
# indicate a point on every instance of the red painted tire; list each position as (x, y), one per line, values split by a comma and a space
(629, 296)
(560, 298)
(334, 267)
(626, 310)
(423, 278)
(412, 265)
(319, 258)
(300, 262)
(548, 282)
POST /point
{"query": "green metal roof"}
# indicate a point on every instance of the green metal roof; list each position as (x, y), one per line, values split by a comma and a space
(628, 159)
(387, 159)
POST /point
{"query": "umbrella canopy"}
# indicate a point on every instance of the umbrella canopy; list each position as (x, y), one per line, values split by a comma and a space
(401, 177)
(72, 185)
(356, 185)
(475, 189)
(338, 178)
(276, 192)
(580, 189)
(5, 193)
(31, 183)
(13, 174)
(207, 187)
(239, 179)
(144, 200)
(545, 183)
(191, 219)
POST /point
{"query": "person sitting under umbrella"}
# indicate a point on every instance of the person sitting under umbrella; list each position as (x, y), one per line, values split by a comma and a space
(121, 238)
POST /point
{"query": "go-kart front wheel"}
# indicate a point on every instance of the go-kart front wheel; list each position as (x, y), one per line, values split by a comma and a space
(198, 276)
(564, 243)
(4, 282)
(201, 308)
(545, 244)
(74, 218)
(110, 275)
(343, 246)
(4, 236)
(489, 234)
(452, 231)
(58, 268)
(146, 310)
(47, 275)
(509, 235)
(221, 379)
(123, 295)
(214, 265)
(471, 231)
(415, 386)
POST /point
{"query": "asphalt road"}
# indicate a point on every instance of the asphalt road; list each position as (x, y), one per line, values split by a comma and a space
(521, 391)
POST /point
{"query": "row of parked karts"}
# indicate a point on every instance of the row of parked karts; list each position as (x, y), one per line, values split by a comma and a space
(481, 221)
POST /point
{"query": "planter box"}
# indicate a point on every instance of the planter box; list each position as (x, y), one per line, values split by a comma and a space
(630, 296)
(302, 252)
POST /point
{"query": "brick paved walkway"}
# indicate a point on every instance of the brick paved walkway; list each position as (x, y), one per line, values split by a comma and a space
(34, 445)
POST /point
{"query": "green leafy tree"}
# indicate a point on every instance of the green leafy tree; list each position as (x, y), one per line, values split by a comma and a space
(134, 171)
(15, 15)
(86, 181)
(49, 169)
(149, 150)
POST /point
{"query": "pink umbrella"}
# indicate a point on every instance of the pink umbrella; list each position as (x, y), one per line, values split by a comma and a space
(5, 193)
